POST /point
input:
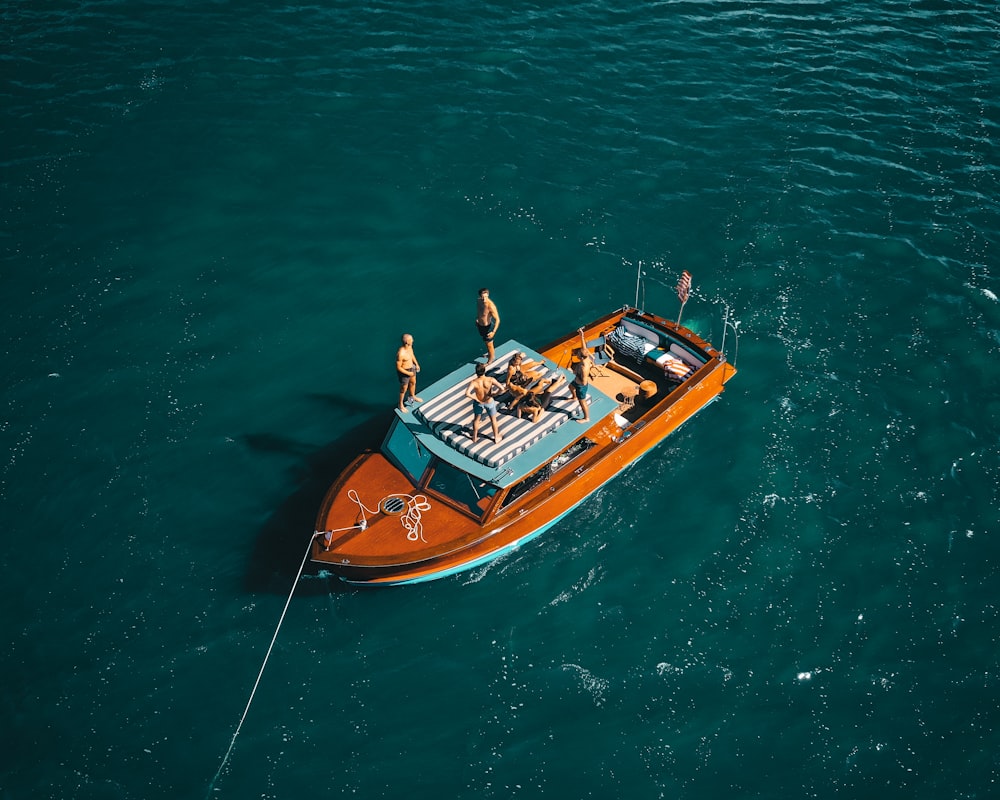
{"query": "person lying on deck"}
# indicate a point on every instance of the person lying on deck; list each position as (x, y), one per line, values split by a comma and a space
(538, 399)
(519, 378)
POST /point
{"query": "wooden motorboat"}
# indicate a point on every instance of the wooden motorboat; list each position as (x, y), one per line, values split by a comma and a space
(430, 503)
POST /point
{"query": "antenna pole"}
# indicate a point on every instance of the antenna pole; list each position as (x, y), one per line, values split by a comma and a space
(638, 275)
(725, 325)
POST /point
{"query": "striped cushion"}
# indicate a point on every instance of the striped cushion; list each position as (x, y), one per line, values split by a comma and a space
(635, 347)
(449, 416)
(673, 367)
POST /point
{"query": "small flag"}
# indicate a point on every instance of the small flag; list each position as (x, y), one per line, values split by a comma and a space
(684, 286)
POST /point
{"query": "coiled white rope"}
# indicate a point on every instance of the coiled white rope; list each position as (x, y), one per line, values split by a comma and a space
(411, 519)
(232, 743)
(411, 522)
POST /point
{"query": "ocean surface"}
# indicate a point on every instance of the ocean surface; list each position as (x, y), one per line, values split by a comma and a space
(217, 218)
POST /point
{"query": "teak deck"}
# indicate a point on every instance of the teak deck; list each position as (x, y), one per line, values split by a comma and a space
(430, 503)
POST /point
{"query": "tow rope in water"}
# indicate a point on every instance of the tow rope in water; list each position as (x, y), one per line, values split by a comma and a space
(232, 743)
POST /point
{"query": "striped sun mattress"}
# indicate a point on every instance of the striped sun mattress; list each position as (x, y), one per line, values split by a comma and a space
(449, 416)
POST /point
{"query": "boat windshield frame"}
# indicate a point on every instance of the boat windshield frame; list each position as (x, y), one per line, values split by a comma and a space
(406, 452)
(457, 488)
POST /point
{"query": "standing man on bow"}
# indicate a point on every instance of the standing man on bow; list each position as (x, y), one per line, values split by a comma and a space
(407, 368)
(487, 321)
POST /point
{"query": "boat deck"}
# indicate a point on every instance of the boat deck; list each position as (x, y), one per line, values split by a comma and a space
(443, 423)
(438, 504)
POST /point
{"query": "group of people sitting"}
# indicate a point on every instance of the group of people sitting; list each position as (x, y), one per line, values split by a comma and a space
(527, 389)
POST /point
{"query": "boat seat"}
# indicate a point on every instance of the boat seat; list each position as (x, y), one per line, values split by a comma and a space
(685, 356)
(642, 344)
(630, 344)
(678, 363)
(602, 352)
(655, 355)
(674, 368)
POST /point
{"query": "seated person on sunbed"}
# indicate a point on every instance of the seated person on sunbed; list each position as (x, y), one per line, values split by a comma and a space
(519, 378)
(537, 399)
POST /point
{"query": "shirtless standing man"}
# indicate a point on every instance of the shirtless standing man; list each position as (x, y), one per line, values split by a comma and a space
(407, 368)
(581, 377)
(480, 392)
(487, 321)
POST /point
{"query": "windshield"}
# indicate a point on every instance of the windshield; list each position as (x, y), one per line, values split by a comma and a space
(467, 492)
(403, 448)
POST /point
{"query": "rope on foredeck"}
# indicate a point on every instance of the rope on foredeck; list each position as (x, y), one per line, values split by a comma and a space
(411, 519)
(232, 743)
(415, 503)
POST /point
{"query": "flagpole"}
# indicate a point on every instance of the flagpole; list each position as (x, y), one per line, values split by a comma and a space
(683, 302)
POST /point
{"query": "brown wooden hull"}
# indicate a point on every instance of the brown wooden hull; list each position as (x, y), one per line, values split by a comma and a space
(418, 535)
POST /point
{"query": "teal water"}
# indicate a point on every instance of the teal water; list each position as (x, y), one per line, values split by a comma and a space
(218, 218)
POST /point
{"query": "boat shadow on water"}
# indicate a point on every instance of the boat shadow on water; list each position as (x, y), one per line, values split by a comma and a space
(280, 542)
